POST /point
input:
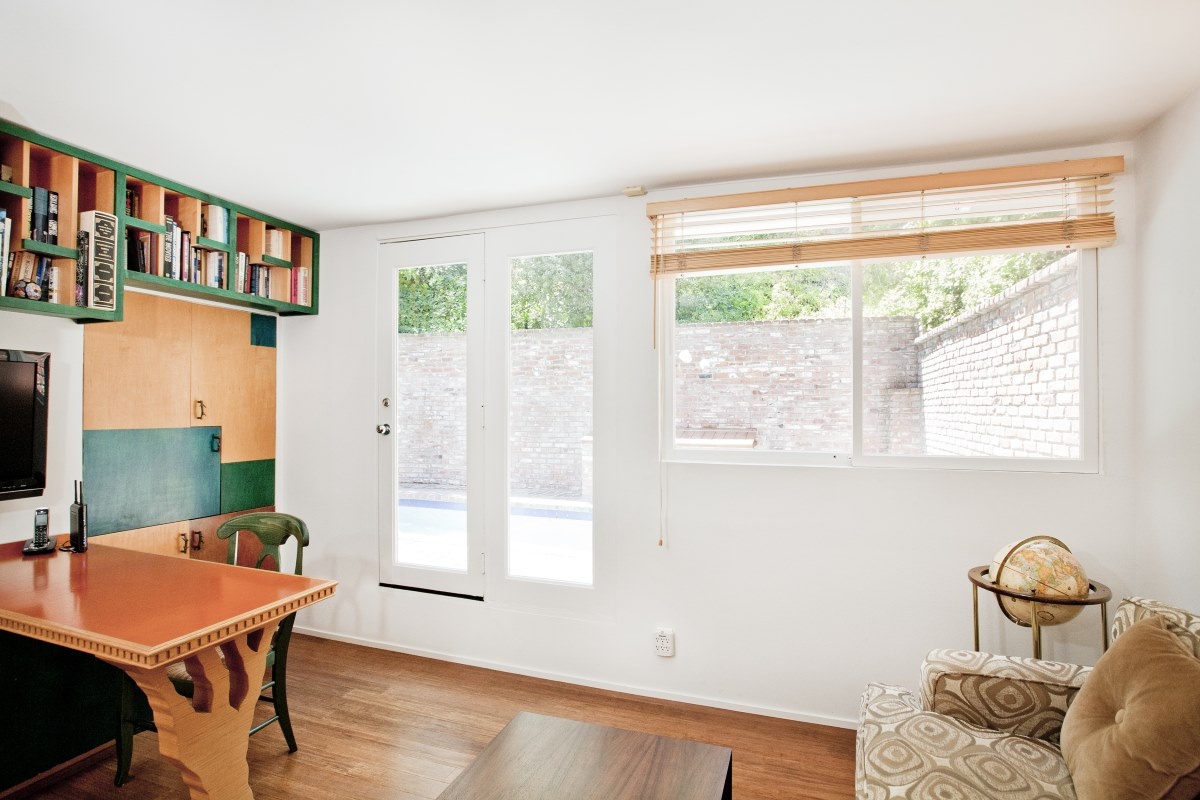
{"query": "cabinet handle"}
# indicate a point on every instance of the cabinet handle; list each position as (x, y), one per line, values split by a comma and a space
(183, 543)
(197, 540)
(199, 409)
(383, 429)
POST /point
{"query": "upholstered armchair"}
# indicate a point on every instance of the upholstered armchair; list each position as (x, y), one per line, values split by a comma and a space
(994, 726)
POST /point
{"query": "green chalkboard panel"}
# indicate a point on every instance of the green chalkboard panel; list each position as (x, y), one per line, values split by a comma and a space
(149, 476)
(247, 484)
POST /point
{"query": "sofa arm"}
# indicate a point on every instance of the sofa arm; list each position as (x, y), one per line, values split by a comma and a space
(1025, 696)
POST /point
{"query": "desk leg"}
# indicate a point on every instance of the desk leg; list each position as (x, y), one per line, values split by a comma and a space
(207, 735)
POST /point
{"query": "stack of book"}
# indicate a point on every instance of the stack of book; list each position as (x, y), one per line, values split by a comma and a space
(43, 216)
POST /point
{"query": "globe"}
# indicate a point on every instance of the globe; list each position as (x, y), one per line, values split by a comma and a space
(1042, 566)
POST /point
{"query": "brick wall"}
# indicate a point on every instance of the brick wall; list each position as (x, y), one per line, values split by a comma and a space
(790, 382)
(1003, 379)
(550, 412)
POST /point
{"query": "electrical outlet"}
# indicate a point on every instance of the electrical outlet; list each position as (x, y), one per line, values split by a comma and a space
(664, 642)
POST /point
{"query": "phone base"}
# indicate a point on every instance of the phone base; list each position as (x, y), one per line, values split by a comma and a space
(31, 549)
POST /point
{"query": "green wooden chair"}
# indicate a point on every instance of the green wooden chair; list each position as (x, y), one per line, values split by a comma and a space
(271, 529)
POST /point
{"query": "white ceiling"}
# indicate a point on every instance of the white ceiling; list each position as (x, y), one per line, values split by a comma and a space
(338, 113)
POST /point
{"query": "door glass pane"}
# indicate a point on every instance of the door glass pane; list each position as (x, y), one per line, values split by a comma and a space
(972, 356)
(431, 417)
(550, 419)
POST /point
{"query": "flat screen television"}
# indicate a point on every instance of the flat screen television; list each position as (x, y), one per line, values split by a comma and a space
(24, 415)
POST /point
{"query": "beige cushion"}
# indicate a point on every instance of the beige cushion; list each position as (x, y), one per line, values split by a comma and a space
(1133, 730)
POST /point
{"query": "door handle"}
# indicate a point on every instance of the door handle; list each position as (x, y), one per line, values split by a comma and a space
(383, 429)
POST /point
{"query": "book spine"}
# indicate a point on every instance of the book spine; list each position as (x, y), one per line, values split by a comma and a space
(52, 218)
(5, 226)
(50, 285)
(168, 250)
(102, 260)
(82, 290)
(40, 211)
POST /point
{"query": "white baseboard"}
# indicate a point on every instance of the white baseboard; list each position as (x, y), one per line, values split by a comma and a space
(766, 711)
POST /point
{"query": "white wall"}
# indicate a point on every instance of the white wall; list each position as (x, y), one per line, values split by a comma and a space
(1167, 424)
(63, 340)
(788, 587)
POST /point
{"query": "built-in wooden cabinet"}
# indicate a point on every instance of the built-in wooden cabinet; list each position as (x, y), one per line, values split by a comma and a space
(228, 253)
(179, 414)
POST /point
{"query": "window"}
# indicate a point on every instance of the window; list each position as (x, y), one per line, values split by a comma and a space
(940, 338)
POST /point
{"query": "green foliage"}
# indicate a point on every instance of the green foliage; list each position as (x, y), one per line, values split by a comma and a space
(778, 294)
(552, 291)
(433, 299)
(932, 290)
(936, 290)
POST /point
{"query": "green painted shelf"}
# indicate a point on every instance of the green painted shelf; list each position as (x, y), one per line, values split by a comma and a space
(53, 250)
(143, 225)
(12, 188)
(57, 309)
(211, 244)
(272, 261)
(174, 286)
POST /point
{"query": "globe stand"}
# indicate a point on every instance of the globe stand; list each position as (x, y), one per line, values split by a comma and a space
(1098, 594)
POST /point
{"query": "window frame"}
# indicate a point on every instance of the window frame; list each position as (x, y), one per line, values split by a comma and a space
(1089, 398)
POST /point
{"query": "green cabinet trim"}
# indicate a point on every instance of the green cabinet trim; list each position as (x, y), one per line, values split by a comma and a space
(246, 485)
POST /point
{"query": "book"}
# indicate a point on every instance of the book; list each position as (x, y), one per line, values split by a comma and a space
(35, 286)
(102, 258)
(273, 243)
(303, 290)
(133, 260)
(133, 203)
(82, 250)
(39, 211)
(214, 223)
(50, 282)
(5, 243)
(240, 279)
(21, 272)
(168, 250)
(148, 253)
(215, 269)
(52, 218)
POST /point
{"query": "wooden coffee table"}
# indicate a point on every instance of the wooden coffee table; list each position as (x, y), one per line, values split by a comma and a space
(537, 757)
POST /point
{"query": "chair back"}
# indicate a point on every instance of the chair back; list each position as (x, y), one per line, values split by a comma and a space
(272, 529)
(1183, 624)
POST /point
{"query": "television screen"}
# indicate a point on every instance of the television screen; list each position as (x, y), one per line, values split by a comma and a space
(24, 413)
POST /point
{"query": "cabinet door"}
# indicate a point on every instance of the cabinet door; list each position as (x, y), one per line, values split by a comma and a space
(137, 372)
(233, 386)
(165, 540)
(214, 549)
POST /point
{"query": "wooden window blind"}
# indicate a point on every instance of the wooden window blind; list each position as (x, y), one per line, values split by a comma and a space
(1040, 206)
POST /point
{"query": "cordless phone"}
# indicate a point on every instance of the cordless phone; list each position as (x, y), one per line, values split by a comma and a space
(41, 541)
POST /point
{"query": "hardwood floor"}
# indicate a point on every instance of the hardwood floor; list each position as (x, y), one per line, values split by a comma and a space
(376, 724)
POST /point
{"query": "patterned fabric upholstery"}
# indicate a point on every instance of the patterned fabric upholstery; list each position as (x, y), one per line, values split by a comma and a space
(1024, 696)
(986, 726)
(1179, 622)
(904, 752)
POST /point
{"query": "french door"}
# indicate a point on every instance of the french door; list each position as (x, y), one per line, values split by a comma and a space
(431, 307)
(486, 412)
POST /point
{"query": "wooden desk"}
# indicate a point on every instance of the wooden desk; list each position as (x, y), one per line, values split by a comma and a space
(141, 612)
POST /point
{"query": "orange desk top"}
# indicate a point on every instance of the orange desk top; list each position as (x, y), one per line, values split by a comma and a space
(142, 609)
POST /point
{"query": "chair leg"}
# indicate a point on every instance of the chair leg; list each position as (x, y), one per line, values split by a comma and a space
(279, 700)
